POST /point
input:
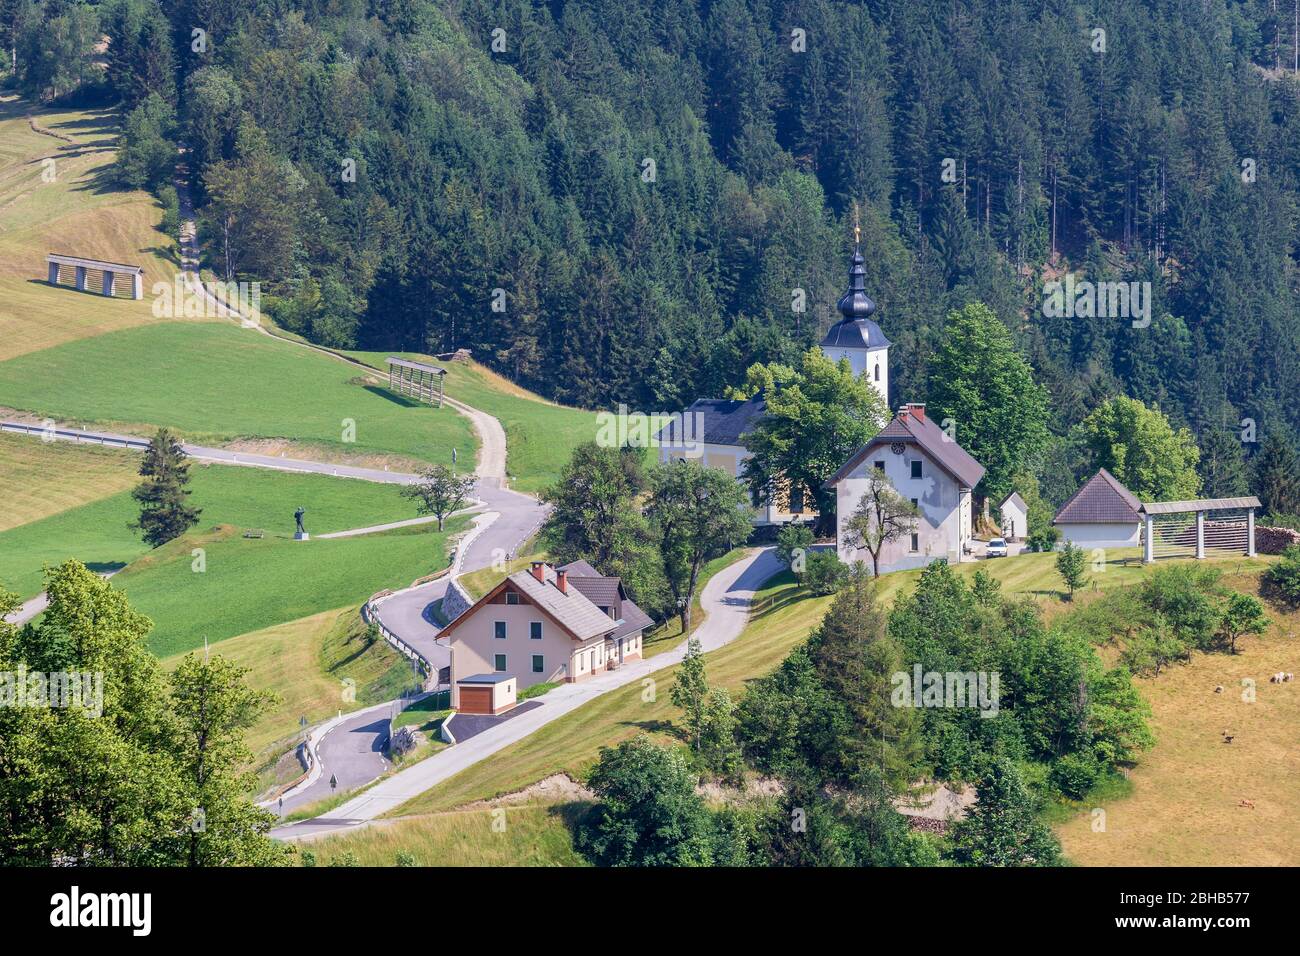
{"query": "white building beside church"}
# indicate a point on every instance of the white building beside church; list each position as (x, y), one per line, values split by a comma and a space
(921, 461)
(718, 437)
(926, 467)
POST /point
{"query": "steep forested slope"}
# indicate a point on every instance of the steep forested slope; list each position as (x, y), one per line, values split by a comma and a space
(654, 187)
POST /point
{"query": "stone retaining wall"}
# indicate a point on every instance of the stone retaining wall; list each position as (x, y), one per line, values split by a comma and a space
(456, 601)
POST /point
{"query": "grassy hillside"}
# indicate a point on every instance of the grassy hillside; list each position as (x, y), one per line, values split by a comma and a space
(39, 478)
(98, 532)
(533, 835)
(78, 212)
(784, 615)
(540, 435)
(253, 584)
(1191, 795)
(304, 663)
(216, 382)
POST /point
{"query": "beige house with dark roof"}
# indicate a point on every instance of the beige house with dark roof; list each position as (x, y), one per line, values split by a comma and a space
(543, 625)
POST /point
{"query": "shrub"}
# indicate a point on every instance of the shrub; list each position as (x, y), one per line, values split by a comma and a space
(826, 573)
(1283, 578)
(1043, 540)
(792, 544)
(1075, 774)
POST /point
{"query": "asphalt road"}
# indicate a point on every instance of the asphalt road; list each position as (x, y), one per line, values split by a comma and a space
(726, 600)
(353, 752)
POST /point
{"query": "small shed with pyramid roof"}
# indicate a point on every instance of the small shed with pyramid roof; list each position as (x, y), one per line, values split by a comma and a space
(1101, 514)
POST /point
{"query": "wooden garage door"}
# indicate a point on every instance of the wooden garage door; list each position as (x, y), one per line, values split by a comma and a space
(476, 700)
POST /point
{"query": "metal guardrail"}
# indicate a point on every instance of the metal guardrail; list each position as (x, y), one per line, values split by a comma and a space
(421, 662)
(139, 444)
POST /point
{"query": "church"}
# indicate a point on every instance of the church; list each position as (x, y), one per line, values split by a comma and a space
(922, 462)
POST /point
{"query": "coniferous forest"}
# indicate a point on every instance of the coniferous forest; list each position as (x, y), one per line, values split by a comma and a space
(625, 201)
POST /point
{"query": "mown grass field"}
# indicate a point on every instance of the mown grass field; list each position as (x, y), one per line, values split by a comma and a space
(99, 535)
(78, 211)
(39, 478)
(247, 585)
(304, 663)
(540, 435)
(219, 382)
(532, 835)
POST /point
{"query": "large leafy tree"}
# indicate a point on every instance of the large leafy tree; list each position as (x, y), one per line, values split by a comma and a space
(136, 770)
(984, 391)
(596, 516)
(649, 813)
(818, 415)
(214, 707)
(696, 513)
(165, 511)
(1002, 828)
(1138, 446)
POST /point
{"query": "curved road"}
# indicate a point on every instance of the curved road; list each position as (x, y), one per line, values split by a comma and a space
(726, 599)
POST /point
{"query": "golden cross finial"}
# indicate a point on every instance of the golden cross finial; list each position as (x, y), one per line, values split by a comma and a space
(857, 229)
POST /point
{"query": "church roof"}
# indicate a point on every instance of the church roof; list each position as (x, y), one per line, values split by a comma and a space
(720, 421)
(856, 330)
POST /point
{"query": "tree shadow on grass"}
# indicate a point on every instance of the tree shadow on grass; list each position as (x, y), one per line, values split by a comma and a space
(572, 813)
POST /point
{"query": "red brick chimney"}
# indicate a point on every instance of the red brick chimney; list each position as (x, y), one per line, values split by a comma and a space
(562, 580)
(539, 571)
(917, 409)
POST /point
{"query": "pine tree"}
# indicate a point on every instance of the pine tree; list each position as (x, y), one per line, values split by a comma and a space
(164, 511)
(1222, 467)
(1277, 476)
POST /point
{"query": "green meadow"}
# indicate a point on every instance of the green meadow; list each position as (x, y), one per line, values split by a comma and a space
(540, 435)
(99, 535)
(218, 382)
(236, 585)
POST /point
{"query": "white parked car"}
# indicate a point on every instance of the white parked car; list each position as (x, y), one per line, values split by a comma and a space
(997, 548)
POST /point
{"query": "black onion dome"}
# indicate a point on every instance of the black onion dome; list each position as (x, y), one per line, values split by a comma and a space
(856, 330)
